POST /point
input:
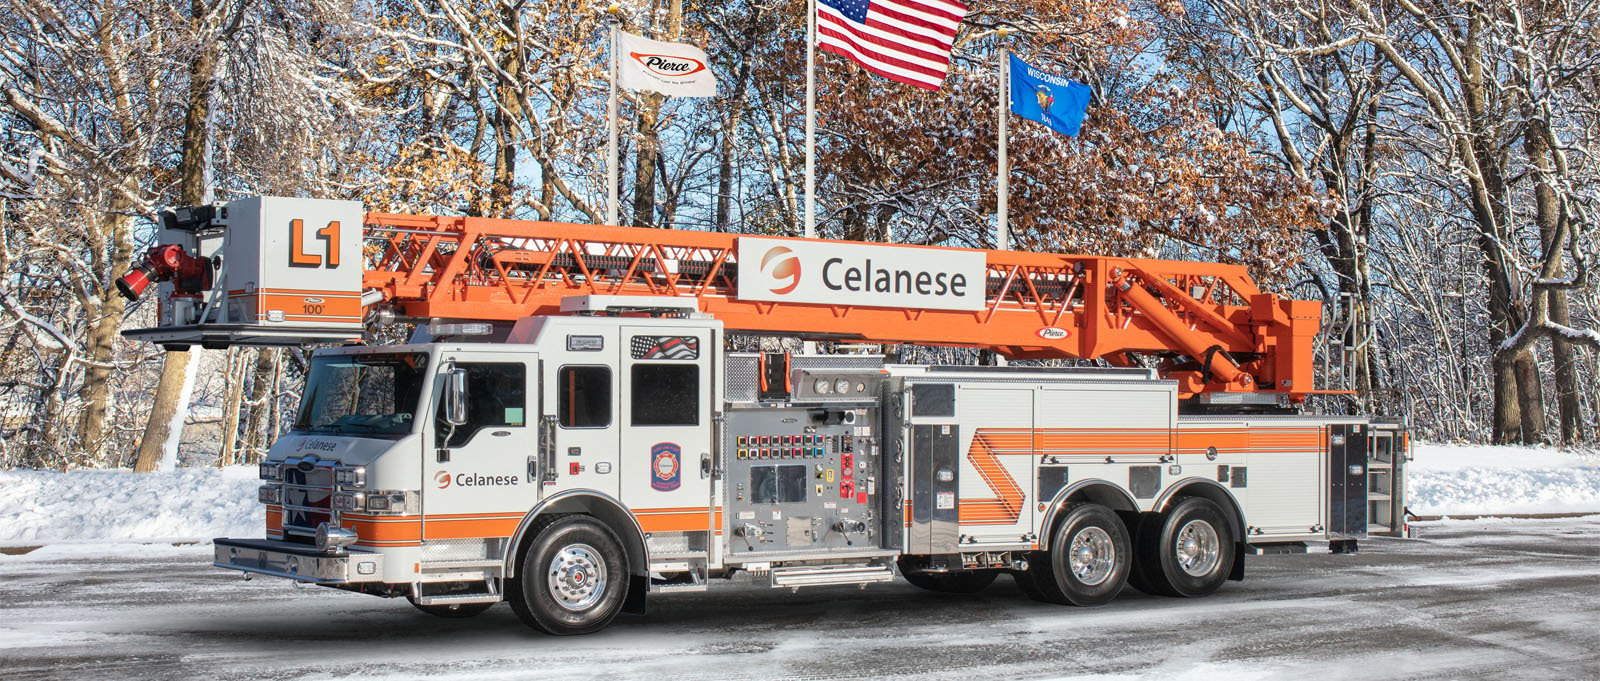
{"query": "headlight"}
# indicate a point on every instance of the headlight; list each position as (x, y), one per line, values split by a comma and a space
(380, 503)
(271, 471)
(269, 494)
(348, 501)
(355, 476)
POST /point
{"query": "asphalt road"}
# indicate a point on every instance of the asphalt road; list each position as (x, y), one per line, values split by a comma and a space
(1481, 599)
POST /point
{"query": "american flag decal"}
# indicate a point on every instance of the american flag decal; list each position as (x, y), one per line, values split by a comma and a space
(665, 347)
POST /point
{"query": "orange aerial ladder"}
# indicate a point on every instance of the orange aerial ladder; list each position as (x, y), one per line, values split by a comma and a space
(269, 271)
(1213, 329)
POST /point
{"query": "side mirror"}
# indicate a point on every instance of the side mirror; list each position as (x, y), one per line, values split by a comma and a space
(455, 398)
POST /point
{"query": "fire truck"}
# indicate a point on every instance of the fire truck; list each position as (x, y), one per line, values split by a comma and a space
(567, 431)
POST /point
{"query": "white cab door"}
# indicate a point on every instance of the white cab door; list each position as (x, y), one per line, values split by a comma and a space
(666, 434)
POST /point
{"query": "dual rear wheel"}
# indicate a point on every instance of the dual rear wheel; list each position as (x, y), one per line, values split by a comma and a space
(1187, 551)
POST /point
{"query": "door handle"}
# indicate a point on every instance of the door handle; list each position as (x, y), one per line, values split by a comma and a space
(705, 465)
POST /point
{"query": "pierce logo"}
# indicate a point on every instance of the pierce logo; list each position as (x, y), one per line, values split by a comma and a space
(1053, 333)
(443, 478)
(781, 263)
(667, 65)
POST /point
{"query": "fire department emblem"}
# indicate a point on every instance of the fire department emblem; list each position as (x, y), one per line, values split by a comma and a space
(666, 467)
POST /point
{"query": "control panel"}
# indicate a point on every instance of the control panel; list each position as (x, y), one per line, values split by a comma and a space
(802, 479)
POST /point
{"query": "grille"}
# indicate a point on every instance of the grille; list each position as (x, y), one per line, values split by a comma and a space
(307, 498)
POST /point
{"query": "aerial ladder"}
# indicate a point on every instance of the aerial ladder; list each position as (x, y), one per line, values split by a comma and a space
(1206, 325)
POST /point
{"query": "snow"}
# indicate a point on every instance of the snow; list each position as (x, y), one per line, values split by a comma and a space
(186, 504)
(1475, 480)
(197, 504)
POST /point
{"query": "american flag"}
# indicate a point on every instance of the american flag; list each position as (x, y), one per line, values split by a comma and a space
(902, 40)
(666, 347)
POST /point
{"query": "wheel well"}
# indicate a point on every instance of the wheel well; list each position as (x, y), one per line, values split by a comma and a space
(1214, 493)
(592, 504)
(1088, 491)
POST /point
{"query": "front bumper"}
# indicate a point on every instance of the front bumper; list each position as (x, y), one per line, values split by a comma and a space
(296, 561)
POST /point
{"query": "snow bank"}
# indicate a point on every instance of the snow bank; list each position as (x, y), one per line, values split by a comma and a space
(1470, 480)
(183, 504)
(42, 507)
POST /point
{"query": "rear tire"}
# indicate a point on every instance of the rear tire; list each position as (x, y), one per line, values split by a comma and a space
(952, 583)
(1088, 561)
(572, 577)
(1187, 551)
(452, 611)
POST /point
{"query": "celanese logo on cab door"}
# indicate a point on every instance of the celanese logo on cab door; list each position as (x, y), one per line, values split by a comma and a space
(443, 478)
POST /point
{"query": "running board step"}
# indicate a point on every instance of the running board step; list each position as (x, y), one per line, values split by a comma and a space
(458, 599)
(828, 575)
(1277, 548)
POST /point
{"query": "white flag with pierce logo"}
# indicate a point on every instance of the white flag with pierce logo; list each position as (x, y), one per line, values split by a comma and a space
(672, 69)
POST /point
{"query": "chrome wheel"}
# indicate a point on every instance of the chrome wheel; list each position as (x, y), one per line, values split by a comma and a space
(1092, 556)
(1197, 548)
(577, 577)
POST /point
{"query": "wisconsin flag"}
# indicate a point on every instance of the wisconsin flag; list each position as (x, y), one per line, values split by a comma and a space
(1049, 99)
(672, 69)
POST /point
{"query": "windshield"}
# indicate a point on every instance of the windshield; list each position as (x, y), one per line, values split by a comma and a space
(362, 395)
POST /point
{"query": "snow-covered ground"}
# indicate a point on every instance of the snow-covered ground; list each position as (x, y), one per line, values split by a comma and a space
(1478, 480)
(42, 507)
(47, 507)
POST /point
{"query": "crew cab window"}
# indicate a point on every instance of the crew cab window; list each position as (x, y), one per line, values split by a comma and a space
(497, 397)
(666, 394)
(585, 397)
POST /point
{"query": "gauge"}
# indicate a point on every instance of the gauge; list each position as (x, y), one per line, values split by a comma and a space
(841, 386)
(821, 386)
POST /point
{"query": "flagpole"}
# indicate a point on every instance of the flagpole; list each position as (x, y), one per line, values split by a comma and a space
(811, 117)
(1003, 229)
(1003, 238)
(611, 124)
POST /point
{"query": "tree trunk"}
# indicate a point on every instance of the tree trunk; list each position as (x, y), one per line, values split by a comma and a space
(263, 385)
(508, 111)
(1547, 214)
(174, 374)
(644, 184)
(191, 191)
(101, 344)
(233, 393)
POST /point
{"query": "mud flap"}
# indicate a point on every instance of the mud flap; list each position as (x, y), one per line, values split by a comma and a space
(1237, 575)
(638, 593)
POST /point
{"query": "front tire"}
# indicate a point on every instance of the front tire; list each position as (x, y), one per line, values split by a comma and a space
(1187, 551)
(1088, 561)
(572, 577)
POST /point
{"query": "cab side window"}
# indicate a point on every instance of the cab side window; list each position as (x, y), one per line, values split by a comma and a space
(585, 397)
(497, 397)
(666, 394)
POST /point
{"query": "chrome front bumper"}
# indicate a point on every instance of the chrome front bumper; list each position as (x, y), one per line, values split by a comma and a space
(296, 561)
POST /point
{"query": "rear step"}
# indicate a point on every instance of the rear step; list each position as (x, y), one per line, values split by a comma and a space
(828, 575)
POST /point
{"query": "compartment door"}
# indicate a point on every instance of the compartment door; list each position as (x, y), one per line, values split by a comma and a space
(997, 462)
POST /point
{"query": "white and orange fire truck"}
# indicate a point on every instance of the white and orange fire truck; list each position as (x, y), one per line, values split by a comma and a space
(567, 432)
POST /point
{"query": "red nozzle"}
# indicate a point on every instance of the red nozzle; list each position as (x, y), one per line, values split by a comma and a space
(132, 284)
(162, 263)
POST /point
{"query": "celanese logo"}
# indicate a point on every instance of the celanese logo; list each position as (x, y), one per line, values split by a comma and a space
(667, 65)
(443, 478)
(780, 263)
